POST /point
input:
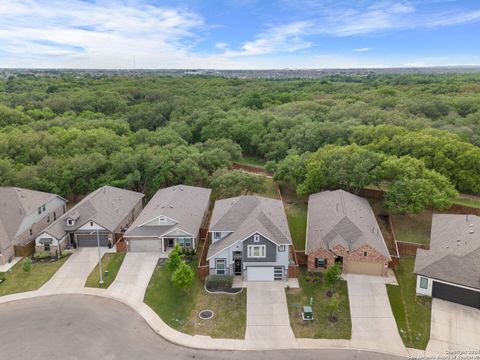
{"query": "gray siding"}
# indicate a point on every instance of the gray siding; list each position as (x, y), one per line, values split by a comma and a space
(270, 250)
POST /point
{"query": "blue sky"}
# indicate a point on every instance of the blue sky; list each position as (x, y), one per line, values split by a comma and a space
(238, 34)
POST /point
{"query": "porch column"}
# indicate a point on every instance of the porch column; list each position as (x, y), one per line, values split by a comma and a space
(163, 245)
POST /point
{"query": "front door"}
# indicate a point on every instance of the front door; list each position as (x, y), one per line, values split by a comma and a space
(238, 267)
(171, 242)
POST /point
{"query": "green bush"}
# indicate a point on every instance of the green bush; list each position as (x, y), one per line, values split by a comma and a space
(183, 276)
(41, 255)
(27, 264)
(219, 281)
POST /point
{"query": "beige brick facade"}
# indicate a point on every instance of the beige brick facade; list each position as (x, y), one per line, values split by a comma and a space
(358, 255)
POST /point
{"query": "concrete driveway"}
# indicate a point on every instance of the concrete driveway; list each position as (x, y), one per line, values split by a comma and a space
(453, 327)
(74, 273)
(134, 275)
(268, 323)
(373, 324)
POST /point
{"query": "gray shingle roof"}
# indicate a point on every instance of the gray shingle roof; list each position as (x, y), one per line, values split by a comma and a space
(186, 205)
(106, 206)
(454, 254)
(15, 205)
(245, 215)
(338, 217)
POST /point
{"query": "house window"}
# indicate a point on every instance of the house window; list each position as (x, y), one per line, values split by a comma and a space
(48, 218)
(70, 222)
(43, 207)
(54, 216)
(39, 210)
(46, 247)
(320, 262)
(31, 232)
(162, 220)
(365, 253)
(217, 235)
(281, 248)
(91, 223)
(220, 267)
(423, 283)
(256, 238)
(256, 251)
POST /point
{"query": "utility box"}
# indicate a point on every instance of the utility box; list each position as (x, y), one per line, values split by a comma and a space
(307, 313)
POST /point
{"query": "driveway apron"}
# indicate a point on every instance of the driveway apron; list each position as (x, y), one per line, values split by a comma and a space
(134, 275)
(373, 324)
(74, 273)
(268, 323)
(453, 327)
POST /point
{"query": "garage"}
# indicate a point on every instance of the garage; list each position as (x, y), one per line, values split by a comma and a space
(456, 294)
(145, 245)
(260, 273)
(90, 240)
(365, 268)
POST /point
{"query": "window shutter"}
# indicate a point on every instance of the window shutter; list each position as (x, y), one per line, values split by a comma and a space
(316, 263)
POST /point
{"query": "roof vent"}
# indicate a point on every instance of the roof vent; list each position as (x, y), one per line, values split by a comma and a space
(171, 206)
(471, 231)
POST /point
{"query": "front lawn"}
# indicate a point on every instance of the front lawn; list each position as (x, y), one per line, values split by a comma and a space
(414, 228)
(180, 308)
(320, 327)
(17, 280)
(411, 313)
(111, 263)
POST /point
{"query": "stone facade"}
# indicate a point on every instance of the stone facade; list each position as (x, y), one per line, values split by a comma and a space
(357, 255)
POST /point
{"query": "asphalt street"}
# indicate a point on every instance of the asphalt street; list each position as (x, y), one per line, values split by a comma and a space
(70, 327)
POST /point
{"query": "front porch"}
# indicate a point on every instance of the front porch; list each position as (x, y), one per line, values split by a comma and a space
(168, 243)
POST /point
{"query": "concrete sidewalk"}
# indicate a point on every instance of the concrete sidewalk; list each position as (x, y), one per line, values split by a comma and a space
(134, 275)
(74, 273)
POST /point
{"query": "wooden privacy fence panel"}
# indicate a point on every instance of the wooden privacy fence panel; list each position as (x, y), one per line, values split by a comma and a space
(301, 257)
(121, 245)
(410, 249)
(24, 250)
(292, 271)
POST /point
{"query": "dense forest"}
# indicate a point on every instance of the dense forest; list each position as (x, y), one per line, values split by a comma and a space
(419, 135)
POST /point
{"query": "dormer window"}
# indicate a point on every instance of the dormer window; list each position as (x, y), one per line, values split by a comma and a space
(217, 235)
(162, 220)
(70, 222)
(256, 238)
(91, 223)
(43, 207)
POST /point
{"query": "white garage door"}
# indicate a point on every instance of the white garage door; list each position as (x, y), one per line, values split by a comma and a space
(260, 273)
(145, 245)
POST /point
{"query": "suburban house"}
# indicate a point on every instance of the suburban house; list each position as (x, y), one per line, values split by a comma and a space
(105, 212)
(342, 228)
(450, 270)
(173, 216)
(250, 238)
(23, 215)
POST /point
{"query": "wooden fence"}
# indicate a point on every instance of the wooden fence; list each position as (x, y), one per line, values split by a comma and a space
(302, 258)
(121, 245)
(203, 270)
(410, 249)
(24, 250)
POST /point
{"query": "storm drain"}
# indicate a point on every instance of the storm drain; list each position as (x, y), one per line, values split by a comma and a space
(205, 314)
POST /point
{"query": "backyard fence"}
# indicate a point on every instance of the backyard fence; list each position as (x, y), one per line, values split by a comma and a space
(410, 249)
(24, 250)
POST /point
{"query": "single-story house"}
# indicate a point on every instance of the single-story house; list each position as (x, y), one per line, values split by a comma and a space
(250, 238)
(106, 212)
(342, 228)
(173, 216)
(450, 270)
(23, 215)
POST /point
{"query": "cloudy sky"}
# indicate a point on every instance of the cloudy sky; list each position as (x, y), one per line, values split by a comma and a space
(247, 34)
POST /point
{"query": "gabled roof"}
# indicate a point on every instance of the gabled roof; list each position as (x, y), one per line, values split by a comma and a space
(15, 205)
(338, 217)
(106, 206)
(185, 205)
(245, 215)
(454, 254)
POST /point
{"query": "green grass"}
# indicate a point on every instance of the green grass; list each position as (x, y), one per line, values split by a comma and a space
(180, 308)
(296, 211)
(20, 281)
(269, 188)
(411, 313)
(111, 262)
(320, 327)
(414, 228)
(467, 202)
(252, 161)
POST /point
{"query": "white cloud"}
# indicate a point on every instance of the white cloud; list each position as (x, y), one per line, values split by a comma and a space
(362, 49)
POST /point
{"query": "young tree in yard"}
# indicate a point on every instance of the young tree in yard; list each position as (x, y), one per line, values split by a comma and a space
(183, 276)
(333, 308)
(174, 259)
(333, 275)
(27, 264)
